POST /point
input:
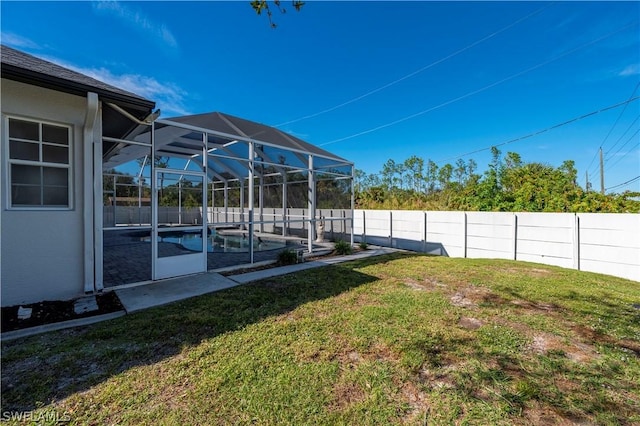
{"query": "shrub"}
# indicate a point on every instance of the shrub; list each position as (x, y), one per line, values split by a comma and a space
(363, 245)
(287, 257)
(343, 247)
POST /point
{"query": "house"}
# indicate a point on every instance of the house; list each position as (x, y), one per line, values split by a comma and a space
(63, 133)
(53, 120)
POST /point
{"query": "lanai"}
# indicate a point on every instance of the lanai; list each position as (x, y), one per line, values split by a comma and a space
(217, 177)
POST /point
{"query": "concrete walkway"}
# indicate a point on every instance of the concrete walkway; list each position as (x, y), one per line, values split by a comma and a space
(171, 290)
(289, 269)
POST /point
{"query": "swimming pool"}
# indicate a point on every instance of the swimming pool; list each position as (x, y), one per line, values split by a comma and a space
(217, 243)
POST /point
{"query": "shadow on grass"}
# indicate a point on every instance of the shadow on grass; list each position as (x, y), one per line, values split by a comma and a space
(45, 368)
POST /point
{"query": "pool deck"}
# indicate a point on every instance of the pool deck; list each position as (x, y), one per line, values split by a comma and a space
(127, 259)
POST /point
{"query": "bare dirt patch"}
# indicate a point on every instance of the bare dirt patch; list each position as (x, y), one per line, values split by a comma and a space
(377, 352)
(593, 336)
(532, 306)
(438, 378)
(471, 297)
(417, 401)
(427, 284)
(462, 301)
(539, 415)
(347, 394)
(415, 285)
(470, 323)
(543, 343)
(531, 272)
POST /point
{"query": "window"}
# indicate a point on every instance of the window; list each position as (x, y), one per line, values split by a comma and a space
(39, 164)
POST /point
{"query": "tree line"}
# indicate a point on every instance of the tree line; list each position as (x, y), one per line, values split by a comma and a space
(508, 184)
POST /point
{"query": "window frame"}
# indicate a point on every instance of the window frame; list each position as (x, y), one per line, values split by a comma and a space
(9, 162)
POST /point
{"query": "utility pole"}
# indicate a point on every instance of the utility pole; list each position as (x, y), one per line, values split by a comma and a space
(586, 185)
(601, 173)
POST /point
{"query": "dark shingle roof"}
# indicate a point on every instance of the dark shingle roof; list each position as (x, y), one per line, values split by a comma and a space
(20, 66)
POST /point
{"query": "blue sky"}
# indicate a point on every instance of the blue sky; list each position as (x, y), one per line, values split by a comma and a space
(372, 81)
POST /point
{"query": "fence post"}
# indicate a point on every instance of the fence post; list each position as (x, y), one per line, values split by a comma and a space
(390, 229)
(424, 240)
(515, 236)
(576, 241)
(464, 235)
(364, 227)
(344, 226)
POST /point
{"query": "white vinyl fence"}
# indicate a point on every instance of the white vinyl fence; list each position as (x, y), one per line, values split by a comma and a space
(608, 243)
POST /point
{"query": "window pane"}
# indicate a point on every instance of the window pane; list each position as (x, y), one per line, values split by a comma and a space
(56, 177)
(23, 129)
(29, 175)
(23, 151)
(55, 134)
(25, 195)
(55, 154)
(55, 196)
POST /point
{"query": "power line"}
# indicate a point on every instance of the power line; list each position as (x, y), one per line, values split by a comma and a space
(618, 119)
(625, 183)
(411, 74)
(555, 126)
(619, 139)
(555, 58)
(611, 129)
(624, 144)
(628, 152)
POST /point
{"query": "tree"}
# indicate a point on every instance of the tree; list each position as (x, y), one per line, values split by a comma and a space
(360, 178)
(432, 175)
(263, 6)
(388, 171)
(444, 176)
(508, 184)
(415, 168)
(116, 185)
(460, 171)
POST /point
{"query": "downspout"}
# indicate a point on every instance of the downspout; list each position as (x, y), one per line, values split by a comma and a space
(89, 174)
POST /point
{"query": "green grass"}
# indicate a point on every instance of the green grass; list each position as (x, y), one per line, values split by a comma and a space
(396, 339)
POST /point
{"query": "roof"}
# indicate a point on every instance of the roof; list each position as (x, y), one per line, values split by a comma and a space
(25, 68)
(229, 124)
(20, 66)
(227, 143)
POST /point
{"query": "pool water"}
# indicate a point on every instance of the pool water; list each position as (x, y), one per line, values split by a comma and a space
(223, 243)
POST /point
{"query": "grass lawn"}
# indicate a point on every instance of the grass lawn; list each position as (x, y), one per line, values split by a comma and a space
(396, 339)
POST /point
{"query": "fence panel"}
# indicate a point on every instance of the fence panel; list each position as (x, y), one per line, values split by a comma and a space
(376, 228)
(491, 235)
(596, 242)
(610, 244)
(546, 238)
(447, 230)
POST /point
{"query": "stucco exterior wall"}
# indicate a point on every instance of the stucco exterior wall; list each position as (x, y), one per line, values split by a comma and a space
(41, 251)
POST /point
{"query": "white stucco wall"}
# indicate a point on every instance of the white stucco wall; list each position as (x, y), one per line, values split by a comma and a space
(41, 252)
